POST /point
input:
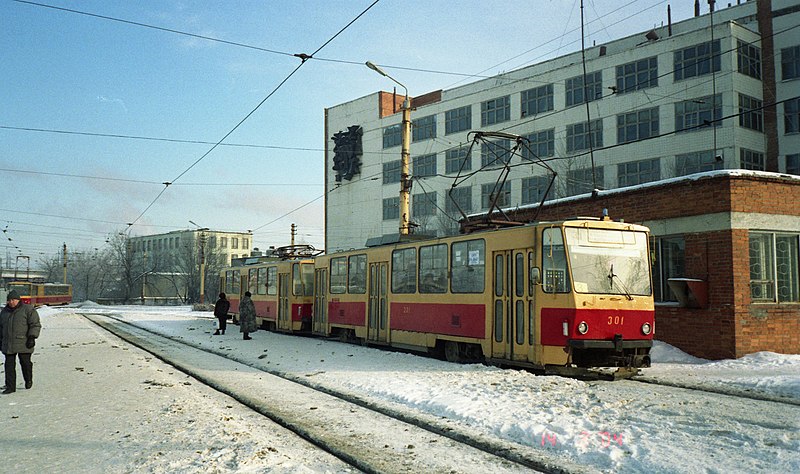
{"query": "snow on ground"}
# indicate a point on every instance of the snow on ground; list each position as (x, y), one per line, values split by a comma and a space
(622, 426)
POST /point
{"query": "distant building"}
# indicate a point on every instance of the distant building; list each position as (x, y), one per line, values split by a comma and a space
(654, 113)
(170, 262)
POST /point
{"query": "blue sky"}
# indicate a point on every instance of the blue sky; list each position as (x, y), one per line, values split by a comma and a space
(93, 77)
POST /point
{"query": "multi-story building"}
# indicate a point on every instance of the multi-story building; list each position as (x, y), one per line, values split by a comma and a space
(171, 261)
(656, 129)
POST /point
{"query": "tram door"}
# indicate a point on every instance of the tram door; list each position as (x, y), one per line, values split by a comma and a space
(512, 305)
(377, 311)
(284, 314)
(320, 315)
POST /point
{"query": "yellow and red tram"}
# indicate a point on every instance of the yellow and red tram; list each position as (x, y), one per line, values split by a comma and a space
(574, 293)
(39, 294)
(281, 290)
(558, 296)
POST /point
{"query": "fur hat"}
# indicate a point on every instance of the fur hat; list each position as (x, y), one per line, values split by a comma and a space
(12, 295)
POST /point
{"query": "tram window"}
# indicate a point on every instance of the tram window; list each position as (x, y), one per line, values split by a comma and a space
(338, 275)
(235, 284)
(467, 266)
(520, 322)
(498, 320)
(272, 280)
(404, 271)
(307, 274)
(519, 274)
(554, 260)
(499, 275)
(252, 280)
(357, 274)
(297, 282)
(261, 283)
(433, 268)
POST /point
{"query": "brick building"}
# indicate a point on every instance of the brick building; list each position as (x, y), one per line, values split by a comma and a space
(734, 237)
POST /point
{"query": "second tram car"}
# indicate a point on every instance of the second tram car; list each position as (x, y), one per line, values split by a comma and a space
(39, 294)
(282, 292)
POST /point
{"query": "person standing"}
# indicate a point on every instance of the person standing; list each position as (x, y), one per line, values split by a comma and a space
(221, 312)
(19, 328)
(247, 316)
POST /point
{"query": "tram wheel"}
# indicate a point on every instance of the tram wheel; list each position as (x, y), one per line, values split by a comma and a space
(452, 351)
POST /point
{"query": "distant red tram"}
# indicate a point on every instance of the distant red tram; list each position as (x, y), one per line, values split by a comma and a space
(39, 294)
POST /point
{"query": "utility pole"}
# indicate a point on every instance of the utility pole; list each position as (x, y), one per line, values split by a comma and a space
(294, 232)
(65, 263)
(405, 156)
(144, 275)
(202, 265)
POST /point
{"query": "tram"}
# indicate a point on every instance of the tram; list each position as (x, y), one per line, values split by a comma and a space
(556, 296)
(39, 294)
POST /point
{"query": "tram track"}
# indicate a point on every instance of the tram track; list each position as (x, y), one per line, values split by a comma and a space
(729, 391)
(333, 421)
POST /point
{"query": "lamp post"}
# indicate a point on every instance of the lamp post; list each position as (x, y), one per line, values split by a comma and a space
(405, 159)
(202, 261)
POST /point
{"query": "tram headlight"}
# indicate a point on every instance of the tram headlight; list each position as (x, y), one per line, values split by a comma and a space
(583, 328)
(646, 329)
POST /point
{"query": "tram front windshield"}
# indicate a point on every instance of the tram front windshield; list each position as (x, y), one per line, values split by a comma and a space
(608, 261)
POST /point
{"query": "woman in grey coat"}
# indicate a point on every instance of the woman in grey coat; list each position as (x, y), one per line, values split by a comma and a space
(19, 328)
(247, 316)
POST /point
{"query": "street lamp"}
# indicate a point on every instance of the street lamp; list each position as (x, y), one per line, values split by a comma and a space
(202, 260)
(405, 159)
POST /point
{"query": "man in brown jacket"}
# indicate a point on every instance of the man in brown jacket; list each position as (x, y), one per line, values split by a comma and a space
(19, 328)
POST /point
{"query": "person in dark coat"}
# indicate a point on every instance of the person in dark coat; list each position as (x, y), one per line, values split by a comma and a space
(221, 312)
(247, 316)
(19, 328)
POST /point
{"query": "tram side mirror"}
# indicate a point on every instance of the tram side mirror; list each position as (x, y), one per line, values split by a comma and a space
(536, 276)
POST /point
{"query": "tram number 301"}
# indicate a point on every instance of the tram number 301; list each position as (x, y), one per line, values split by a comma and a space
(616, 320)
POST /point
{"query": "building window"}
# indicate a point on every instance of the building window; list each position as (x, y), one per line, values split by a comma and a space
(503, 195)
(533, 189)
(212, 242)
(496, 111)
(669, 262)
(581, 135)
(637, 125)
(790, 63)
(423, 128)
(576, 92)
(391, 208)
(542, 144)
(750, 114)
(458, 120)
(696, 162)
(751, 160)
(538, 100)
(223, 242)
(495, 153)
(245, 243)
(424, 204)
(637, 75)
(793, 164)
(456, 159)
(698, 113)
(749, 59)
(235, 242)
(392, 136)
(425, 165)
(391, 172)
(638, 172)
(774, 267)
(696, 60)
(459, 198)
(791, 116)
(583, 180)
